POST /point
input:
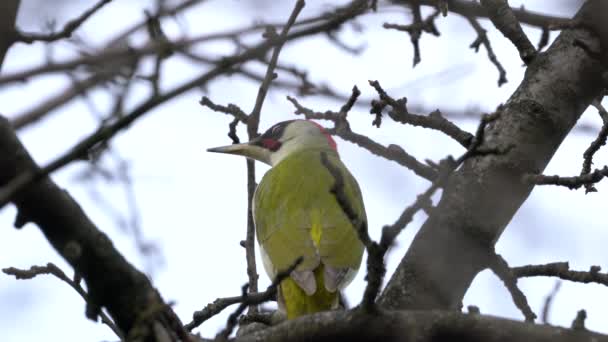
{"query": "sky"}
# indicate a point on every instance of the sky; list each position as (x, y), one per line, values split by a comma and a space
(192, 204)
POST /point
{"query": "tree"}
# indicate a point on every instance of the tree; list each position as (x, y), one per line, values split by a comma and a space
(481, 189)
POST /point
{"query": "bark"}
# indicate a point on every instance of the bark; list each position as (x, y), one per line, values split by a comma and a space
(8, 16)
(481, 198)
(419, 326)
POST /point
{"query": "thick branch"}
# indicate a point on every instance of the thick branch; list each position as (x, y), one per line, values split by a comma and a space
(419, 326)
(482, 197)
(475, 9)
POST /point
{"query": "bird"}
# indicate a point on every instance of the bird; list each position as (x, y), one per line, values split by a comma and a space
(296, 215)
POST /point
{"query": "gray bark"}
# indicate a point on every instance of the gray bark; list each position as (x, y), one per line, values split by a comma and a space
(416, 326)
(451, 247)
(8, 16)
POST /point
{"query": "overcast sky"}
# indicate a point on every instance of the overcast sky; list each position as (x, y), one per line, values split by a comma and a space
(192, 204)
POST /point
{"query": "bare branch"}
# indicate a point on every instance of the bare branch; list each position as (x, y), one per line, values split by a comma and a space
(323, 23)
(252, 120)
(504, 19)
(562, 270)
(376, 268)
(414, 325)
(104, 133)
(269, 294)
(218, 305)
(231, 109)
(252, 130)
(569, 182)
(599, 141)
(67, 30)
(548, 301)
(482, 38)
(52, 269)
(416, 28)
(87, 249)
(342, 129)
(401, 114)
(475, 9)
(500, 267)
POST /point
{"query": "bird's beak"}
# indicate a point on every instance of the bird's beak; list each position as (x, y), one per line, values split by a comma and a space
(248, 149)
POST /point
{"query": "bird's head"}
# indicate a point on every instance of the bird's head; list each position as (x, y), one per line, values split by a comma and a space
(281, 140)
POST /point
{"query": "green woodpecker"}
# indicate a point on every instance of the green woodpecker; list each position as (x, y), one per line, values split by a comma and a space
(296, 215)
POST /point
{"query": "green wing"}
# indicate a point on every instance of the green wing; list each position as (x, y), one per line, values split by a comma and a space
(296, 215)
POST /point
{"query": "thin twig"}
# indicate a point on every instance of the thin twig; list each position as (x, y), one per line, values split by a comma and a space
(218, 305)
(569, 182)
(231, 109)
(253, 121)
(482, 38)
(343, 130)
(248, 300)
(106, 132)
(562, 270)
(401, 114)
(52, 269)
(599, 141)
(579, 321)
(548, 301)
(500, 267)
(416, 28)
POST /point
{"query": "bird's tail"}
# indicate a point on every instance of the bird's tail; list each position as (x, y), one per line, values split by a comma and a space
(297, 303)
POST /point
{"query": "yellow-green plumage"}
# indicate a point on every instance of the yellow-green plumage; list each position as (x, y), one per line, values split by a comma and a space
(298, 303)
(296, 215)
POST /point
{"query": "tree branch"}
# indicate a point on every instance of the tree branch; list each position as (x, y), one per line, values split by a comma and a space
(482, 38)
(451, 247)
(8, 16)
(420, 326)
(401, 114)
(342, 129)
(500, 267)
(139, 306)
(376, 268)
(104, 133)
(475, 9)
(269, 294)
(599, 141)
(67, 30)
(52, 269)
(572, 183)
(416, 28)
(504, 19)
(562, 270)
